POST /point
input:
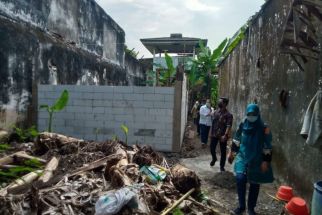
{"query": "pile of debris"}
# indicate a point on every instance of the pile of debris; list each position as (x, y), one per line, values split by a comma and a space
(80, 177)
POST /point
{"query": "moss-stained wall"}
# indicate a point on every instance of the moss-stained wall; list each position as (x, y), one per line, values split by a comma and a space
(256, 70)
(58, 42)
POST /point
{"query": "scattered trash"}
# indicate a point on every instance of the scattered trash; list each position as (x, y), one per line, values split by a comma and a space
(154, 174)
(81, 177)
(113, 201)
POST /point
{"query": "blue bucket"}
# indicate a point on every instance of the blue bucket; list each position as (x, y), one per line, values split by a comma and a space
(316, 208)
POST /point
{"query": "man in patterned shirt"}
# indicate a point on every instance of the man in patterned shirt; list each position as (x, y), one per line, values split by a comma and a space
(221, 128)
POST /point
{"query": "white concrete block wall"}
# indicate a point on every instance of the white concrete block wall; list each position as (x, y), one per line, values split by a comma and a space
(97, 113)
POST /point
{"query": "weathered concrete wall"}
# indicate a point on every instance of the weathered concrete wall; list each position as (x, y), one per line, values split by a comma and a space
(97, 113)
(257, 70)
(58, 42)
(80, 21)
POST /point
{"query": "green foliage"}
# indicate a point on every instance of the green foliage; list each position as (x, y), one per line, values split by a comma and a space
(203, 69)
(131, 51)
(115, 138)
(233, 42)
(177, 211)
(33, 163)
(59, 105)
(151, 78)
(167, 75)
(8, 175)
(26, 134)
(125, 130)
(4, 147)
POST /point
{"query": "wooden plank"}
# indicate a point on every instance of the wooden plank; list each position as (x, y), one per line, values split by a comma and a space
(168, 210)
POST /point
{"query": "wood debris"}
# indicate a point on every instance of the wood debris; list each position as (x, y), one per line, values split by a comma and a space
(79, 172)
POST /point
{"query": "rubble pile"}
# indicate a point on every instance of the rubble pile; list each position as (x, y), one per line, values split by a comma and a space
(80, 177)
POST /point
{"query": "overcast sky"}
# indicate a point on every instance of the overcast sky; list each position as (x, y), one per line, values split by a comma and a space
(208, 19)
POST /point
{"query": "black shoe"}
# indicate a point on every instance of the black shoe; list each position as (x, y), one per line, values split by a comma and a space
(222, 169)
(212, 163)
(239, 211)
(251, 212)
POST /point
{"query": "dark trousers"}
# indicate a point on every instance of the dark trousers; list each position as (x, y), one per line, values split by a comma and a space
(223, 151)
(241, 190)
(204, 133)
(196, 122)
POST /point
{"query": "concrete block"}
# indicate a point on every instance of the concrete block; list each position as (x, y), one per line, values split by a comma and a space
(94, 123)
(126, 119)
(82, 102)
(99, 103)
(166, 105)
(116, 110)
(58, 122)
(169, 98)
(164, 133)
(133, 97)
(157, 111)
(104, 89)
(144, 104)
(153, 97)
(84, 88)
(87, 95)
(109, 95)
(143, 90)
(163, 118)
(64, 115)
(117, 97)
(98, 116)
(143, 118)
(69, 88)
(121, 104)
(123, 89)
(156, 125)
(139, 111)
(164, 90)
(43, 114)
(98, 110)
(84, 116)
(44, 88)
(41, 94)
(98, 96)
(108, 103)
(75, 95)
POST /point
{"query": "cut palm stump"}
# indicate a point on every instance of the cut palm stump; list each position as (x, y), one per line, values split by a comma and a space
(49, 170)
(27, 179)
(21, 155)
(184, 179)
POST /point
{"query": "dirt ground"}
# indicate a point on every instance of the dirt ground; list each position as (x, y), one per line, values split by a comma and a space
(221, 186)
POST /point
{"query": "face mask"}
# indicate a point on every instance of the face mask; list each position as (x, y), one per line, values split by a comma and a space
(252, 118)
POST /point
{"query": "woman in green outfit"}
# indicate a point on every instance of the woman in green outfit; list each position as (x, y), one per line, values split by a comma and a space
(252, 144)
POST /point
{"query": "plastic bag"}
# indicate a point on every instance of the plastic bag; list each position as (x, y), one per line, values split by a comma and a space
(113, 201)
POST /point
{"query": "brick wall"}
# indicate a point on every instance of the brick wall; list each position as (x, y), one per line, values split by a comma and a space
(97, 113)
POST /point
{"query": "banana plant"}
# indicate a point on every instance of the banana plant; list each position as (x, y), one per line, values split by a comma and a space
(167, 74)
(125, 130)
(59, 105)
(204, 66)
